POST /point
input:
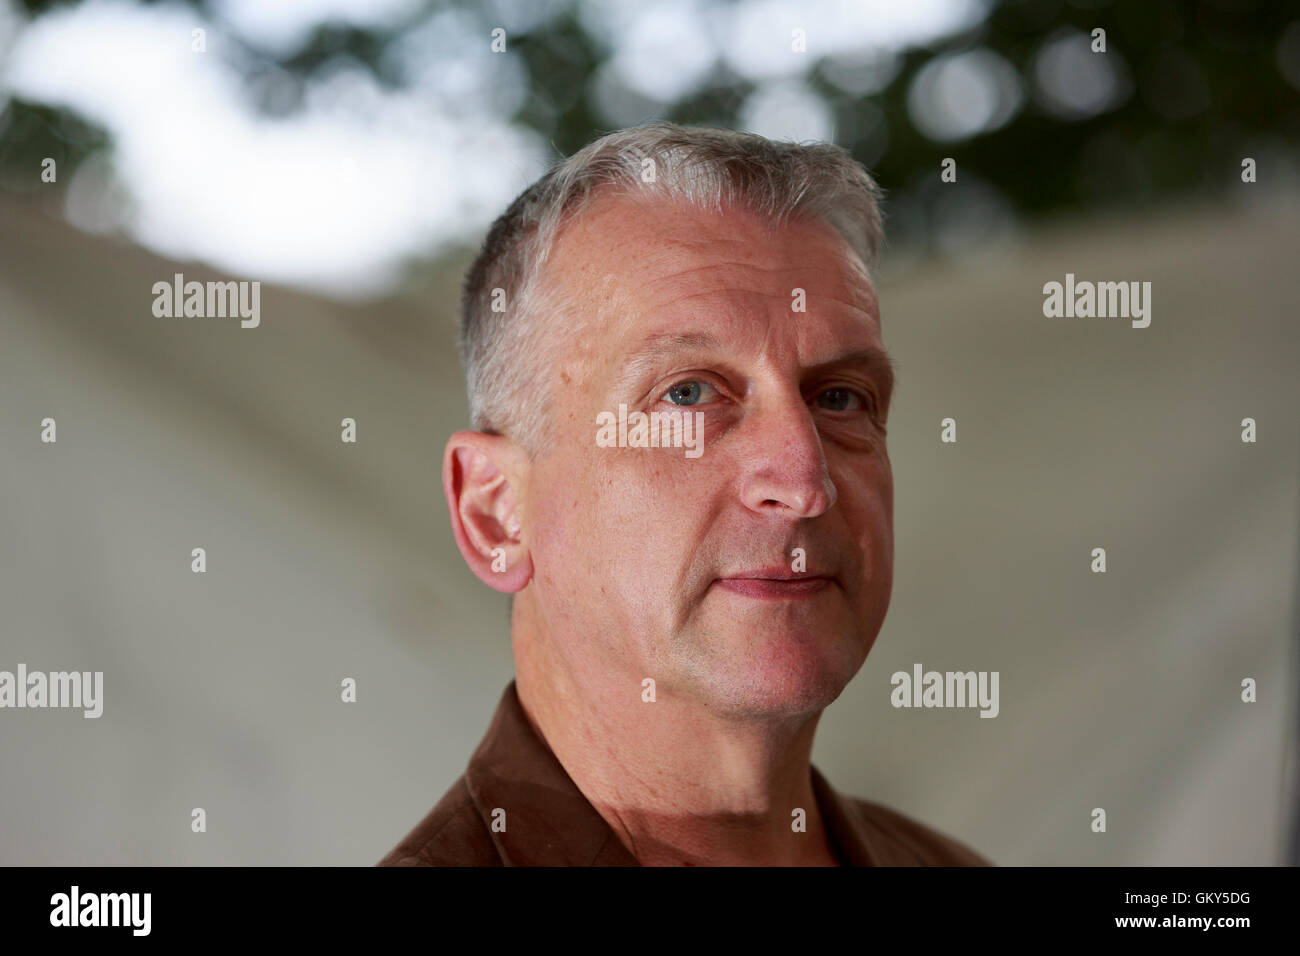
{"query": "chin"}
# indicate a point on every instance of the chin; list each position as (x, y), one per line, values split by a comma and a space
(784, 674)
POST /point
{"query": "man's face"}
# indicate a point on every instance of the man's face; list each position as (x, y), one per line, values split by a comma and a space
(652, 563)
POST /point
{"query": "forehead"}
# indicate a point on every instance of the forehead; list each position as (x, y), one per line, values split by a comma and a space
(625, 258)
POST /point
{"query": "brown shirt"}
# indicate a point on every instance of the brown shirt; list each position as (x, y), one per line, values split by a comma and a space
(550, 823)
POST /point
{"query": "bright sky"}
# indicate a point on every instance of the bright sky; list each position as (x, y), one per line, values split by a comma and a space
(337, 195)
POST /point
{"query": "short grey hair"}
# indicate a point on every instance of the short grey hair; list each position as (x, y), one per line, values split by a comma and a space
(505, 353)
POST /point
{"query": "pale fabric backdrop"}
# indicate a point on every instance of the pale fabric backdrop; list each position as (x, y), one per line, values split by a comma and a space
(328, 560)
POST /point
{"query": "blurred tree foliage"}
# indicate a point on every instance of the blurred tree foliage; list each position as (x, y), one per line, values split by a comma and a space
(1039, 162)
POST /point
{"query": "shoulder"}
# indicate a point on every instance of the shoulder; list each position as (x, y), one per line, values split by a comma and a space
(901, 841)
(452, 834)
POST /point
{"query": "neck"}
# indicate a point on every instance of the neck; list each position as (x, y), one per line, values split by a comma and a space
(679, 784)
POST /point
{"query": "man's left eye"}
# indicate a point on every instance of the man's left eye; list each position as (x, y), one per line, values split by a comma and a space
(840, 400)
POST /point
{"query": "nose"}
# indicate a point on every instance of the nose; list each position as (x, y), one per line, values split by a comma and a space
(785, 467)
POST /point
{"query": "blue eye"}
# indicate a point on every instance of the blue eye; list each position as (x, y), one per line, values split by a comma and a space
(839, 399)
(685, 393)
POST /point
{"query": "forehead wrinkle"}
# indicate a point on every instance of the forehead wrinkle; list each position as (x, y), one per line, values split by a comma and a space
(647, 355)
(851, 274)
(781, 296)
(854, 282)
(612, 294)
(593, 247)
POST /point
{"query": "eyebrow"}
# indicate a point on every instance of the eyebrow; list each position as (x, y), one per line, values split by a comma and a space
(878, 363)
(654, 350)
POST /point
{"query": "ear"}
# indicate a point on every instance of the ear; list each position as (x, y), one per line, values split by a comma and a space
(477, 470)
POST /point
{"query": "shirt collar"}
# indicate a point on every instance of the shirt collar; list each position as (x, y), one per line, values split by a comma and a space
(548, 821)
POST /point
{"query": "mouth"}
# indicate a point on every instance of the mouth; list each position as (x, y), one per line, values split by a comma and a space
(779, 584)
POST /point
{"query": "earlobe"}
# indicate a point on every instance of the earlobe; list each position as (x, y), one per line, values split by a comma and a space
(481, 479)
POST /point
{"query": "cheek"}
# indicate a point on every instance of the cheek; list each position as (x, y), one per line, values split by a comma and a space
(650, 508)
(602, 517)
(645, 504)
(866, 506)
(865, 482)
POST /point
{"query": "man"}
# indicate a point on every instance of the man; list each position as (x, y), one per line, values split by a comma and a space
(679, 394)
